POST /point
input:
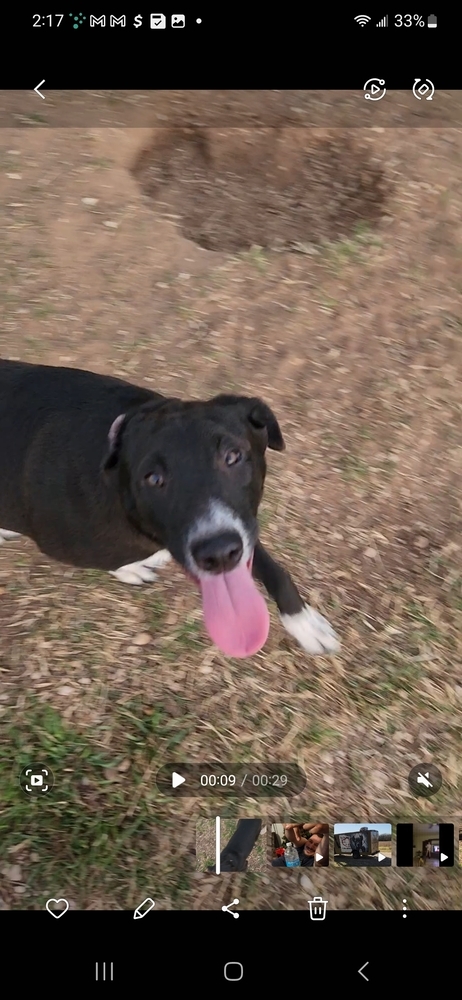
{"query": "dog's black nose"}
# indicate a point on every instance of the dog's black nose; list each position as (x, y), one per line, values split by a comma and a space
(219, 554)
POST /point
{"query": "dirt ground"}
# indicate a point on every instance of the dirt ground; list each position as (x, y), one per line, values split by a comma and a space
(323, 272)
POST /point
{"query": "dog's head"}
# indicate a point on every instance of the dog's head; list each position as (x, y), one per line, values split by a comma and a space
(191, 477)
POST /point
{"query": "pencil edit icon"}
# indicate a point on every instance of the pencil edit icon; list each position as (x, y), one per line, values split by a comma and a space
(145, 907)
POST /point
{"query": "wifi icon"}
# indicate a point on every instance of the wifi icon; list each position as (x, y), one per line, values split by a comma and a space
(362, 20)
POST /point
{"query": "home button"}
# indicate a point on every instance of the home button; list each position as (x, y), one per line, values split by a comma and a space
(234, 971)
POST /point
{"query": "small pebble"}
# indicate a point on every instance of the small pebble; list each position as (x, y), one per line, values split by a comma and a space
(142, 639)
(13, 873)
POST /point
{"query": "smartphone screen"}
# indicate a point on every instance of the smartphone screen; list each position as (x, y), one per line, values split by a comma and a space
(230, 514)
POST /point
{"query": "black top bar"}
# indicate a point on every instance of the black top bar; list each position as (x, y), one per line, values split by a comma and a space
(231, 48)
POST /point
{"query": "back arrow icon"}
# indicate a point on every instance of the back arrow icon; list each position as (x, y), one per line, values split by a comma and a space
(361, 972)
(37, 89)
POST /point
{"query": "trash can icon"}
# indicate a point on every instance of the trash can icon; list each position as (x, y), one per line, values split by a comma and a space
(318, 907)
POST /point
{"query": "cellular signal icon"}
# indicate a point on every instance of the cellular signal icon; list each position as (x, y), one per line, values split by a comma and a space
(383, 23)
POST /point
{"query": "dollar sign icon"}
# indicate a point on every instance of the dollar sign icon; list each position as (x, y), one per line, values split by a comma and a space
(138, 21)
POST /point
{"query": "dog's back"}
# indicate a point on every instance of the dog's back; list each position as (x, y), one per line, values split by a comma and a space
(38, 410)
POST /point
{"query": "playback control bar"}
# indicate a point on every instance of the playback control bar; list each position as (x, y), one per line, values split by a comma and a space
(231, 780)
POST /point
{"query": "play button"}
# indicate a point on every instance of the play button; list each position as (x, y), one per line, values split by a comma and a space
(177, 779)
(318, 857)
(381, 857)
(444, 857)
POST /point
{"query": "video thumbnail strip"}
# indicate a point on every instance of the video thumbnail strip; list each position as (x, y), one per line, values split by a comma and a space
(226, 845)
(238, 845)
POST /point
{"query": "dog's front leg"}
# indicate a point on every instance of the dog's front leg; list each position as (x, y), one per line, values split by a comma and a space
(307, 626)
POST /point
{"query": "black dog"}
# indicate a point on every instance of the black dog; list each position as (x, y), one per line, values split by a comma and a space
(107, 475)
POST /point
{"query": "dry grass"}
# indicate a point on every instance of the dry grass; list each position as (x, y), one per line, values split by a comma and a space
(357, 346)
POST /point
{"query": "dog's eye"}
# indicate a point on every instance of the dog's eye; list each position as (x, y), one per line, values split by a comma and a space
(154, 479)
(233, 456)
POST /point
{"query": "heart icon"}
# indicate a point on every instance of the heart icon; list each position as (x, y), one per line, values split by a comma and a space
(56, 902)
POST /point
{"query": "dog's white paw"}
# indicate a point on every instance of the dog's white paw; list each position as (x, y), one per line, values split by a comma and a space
(7, 536)
(159, 559)
(142, 572)
(312, 631)
(135, 573)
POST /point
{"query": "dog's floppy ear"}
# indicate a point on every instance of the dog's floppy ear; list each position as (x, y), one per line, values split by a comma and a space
(259, 416)
(117, 428)
(114, 441)
(262, 418)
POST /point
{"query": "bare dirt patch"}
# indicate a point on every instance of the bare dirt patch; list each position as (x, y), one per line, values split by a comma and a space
(271, 188)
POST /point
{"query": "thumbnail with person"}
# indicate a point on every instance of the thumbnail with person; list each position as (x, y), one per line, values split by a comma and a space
(299, 845)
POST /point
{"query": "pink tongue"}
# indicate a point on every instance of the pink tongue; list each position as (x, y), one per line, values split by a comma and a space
(235, 613)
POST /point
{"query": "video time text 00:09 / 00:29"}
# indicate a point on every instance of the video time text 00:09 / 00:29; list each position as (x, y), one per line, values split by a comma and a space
(262, 780)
